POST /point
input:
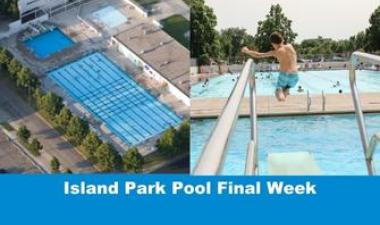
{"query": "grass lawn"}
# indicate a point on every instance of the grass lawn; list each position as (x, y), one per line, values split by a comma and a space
(177, 26)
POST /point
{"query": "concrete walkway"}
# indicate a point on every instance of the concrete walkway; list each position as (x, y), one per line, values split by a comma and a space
(294, 105)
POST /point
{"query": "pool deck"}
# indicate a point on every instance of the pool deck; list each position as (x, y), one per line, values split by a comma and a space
(294, 105)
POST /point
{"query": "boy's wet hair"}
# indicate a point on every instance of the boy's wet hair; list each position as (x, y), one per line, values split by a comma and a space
(276, 38)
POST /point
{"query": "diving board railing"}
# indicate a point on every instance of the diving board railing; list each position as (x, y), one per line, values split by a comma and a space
(211, 160)
(357, 59)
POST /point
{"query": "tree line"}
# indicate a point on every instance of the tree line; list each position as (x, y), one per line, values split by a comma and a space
(208, 44)
(77, 129)
(9, 8)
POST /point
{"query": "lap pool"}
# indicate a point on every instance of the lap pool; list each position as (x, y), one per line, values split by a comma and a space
(313, 81)
(127, 109)
(48, 43)
(332, 139)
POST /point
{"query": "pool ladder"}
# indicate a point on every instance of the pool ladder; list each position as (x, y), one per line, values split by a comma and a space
(211, 160)
(369, 145)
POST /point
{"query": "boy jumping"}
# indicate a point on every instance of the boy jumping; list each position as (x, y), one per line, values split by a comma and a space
(287, 57)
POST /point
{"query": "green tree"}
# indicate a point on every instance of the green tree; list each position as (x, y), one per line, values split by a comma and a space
(182, 137)
(274, 21)
(37, 97)
(231, 41)
(5, 58)
(133, 160)
(9, 8)
(361, 41)
(166, 143)
(14, 67)
(90, 143)
(107, 158)
(35, 147)
(204, 38)
(51, 104)
(77, 129)
(54, 165)
(64, 117)
(26, 79)
(23, 133)
(374, 31)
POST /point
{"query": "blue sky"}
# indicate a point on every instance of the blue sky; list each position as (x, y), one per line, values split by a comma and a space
(336, 19)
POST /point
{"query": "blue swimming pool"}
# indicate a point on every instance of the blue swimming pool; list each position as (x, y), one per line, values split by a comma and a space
(48, 43)
(110, 17)
(332, 139)
(313, 81)
(113, 97)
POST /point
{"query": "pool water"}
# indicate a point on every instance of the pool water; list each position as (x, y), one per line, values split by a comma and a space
(48, 43)
(113, 97)
(334, 141)
(313, 81)
(110, 16)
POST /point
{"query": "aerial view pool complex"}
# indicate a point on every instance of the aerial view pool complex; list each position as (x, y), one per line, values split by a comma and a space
(48, 43)
(313, 81)
(113, 97)
(333, 140)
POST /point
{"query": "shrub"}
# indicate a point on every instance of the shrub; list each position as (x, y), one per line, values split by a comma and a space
(133, 160)
(23, 133)
(166, 144)
(35, 147)
(54, 165)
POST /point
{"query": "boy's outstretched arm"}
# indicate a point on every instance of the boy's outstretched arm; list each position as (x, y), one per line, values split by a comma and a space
(255, 54)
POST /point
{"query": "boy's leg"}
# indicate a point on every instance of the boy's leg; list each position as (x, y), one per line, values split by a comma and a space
(286, 92)
(280, 95)
(281, 85)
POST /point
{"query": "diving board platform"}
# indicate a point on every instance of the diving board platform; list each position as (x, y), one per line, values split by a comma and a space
(292, 163)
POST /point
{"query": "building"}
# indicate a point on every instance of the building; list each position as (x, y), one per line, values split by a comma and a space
(159, 55)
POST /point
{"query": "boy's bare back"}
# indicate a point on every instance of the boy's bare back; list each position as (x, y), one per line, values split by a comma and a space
(287, 58)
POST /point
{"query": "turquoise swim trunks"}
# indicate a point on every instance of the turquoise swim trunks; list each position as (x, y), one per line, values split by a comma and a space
(287, 80)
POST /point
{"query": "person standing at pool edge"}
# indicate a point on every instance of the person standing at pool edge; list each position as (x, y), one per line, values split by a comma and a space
(287, 57)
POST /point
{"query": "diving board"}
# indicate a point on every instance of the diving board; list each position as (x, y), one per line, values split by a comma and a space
(292, 163)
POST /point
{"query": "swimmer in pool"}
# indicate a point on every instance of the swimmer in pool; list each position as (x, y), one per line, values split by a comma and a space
(287, 57)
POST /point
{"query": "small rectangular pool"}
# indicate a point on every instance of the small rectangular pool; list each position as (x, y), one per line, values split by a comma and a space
(333, 140)
(113, 97)
(110, 17)
(48, 43)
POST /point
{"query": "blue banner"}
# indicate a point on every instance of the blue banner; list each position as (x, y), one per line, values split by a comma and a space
(173, 199)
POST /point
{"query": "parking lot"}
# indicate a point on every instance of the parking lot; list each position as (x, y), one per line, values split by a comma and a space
(12, 159)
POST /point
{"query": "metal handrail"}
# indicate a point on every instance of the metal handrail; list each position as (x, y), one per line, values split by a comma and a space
(211, 160)
(373, 143)
(358, 58)
(308, 101)
(251, 164)
(323, 101)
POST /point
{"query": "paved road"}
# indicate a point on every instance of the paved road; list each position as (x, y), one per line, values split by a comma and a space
(13, 160)
(16, 112)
